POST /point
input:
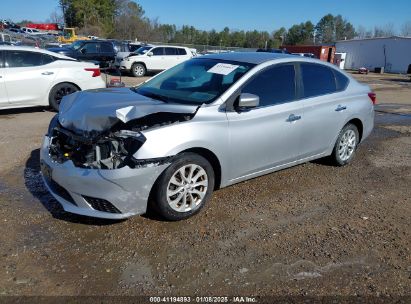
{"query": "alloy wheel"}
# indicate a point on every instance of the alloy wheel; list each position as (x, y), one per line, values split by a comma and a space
(187, 188)
(347, 144)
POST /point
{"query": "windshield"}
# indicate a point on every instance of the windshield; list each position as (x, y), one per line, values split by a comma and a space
(143, 50)
(195, 81)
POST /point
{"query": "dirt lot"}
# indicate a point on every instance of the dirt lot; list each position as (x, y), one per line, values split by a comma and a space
(310, 230)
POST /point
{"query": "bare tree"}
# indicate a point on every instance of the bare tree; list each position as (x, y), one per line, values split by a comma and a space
(387, 30)
(406, 29)
(56, 17)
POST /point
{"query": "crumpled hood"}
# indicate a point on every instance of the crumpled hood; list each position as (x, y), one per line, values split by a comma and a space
(96, 111)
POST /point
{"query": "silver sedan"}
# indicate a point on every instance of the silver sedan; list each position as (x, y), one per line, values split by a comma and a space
(205, 124)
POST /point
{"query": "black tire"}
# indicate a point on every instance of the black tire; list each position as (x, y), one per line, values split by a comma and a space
(338, 157)
(159, 200)
(58, 92)
(138, 70)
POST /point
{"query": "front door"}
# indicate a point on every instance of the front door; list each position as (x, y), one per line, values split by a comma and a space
(157, 61)
(267, 136)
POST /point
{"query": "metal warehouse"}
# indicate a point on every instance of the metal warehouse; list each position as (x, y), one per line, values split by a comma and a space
(393, 54)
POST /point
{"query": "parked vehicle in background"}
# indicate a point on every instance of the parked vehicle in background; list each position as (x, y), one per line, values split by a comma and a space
(16, 30)
(309, 55)
(44, 26)
(6, 24)
(277, 51)
(205, 124)
(131, 50)
(5, 39)
(98, 51)
(35, 77)
(30, 31)
(69, 36)
(153, 59)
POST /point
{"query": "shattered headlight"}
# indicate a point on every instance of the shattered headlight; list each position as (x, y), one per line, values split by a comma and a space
(109, 151)
(53, 123)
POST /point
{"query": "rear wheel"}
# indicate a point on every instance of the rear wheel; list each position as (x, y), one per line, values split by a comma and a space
(184, 187)
(346, 145)
(138, 70)
(58, 92)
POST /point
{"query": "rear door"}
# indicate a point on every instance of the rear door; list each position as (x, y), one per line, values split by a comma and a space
(89, 52)
(107, 52)
(4, 100)
(171, 57)
(325, 107)
(29, 77)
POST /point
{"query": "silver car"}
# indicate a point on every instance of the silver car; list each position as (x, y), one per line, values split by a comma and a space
(205, 124)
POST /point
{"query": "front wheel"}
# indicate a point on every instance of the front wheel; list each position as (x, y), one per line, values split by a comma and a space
(346, 145)
(58, 92)
(184, 187)
(138, 70)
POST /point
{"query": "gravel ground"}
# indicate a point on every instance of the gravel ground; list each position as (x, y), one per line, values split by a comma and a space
(310, 230)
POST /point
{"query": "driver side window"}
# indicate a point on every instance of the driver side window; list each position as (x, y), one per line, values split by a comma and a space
(158, 51)
(89, 48)
(274, 85)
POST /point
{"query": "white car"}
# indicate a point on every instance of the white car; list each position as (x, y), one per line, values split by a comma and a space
(35, 77)
(153, 59)
(31, 31)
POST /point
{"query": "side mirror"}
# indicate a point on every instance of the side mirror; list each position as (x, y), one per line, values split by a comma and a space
(248, 101)
(83, 51)
(149, 54)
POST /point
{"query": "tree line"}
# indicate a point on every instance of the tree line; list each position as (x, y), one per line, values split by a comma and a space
(126, 19)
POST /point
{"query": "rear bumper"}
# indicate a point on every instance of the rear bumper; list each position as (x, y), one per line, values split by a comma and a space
(110, 194)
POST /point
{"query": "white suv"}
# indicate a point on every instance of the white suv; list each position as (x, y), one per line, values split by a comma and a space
(153, 59)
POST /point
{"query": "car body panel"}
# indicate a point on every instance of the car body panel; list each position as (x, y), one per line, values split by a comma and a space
(246, 144)
(127, 189)
(40, 79)
(84, 112)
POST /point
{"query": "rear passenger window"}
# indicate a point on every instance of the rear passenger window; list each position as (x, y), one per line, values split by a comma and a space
(170, 51)
(182, 52)
(91, 48)
(274, 86)
(342, 81)
(47, 59)
(317, 80)
(106, 48)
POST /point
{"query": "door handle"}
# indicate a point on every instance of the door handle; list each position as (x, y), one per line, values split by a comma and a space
(293, 117)
(341, 108)
(47, 73)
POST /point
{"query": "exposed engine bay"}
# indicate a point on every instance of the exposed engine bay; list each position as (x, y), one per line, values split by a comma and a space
(112, 149)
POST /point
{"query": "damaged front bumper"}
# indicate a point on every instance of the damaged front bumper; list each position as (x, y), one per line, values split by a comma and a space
(112, 194)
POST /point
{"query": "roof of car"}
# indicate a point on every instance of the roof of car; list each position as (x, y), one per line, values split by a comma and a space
(248, 57)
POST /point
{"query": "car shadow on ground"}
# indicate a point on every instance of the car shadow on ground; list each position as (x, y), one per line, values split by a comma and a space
(34, 184)
(397, 79)
(24, 110)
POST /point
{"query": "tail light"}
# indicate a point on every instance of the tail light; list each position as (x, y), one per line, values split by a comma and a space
(96, 71)
(373, 97)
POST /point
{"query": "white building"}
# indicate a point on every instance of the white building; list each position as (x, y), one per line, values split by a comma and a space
(391, 53)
